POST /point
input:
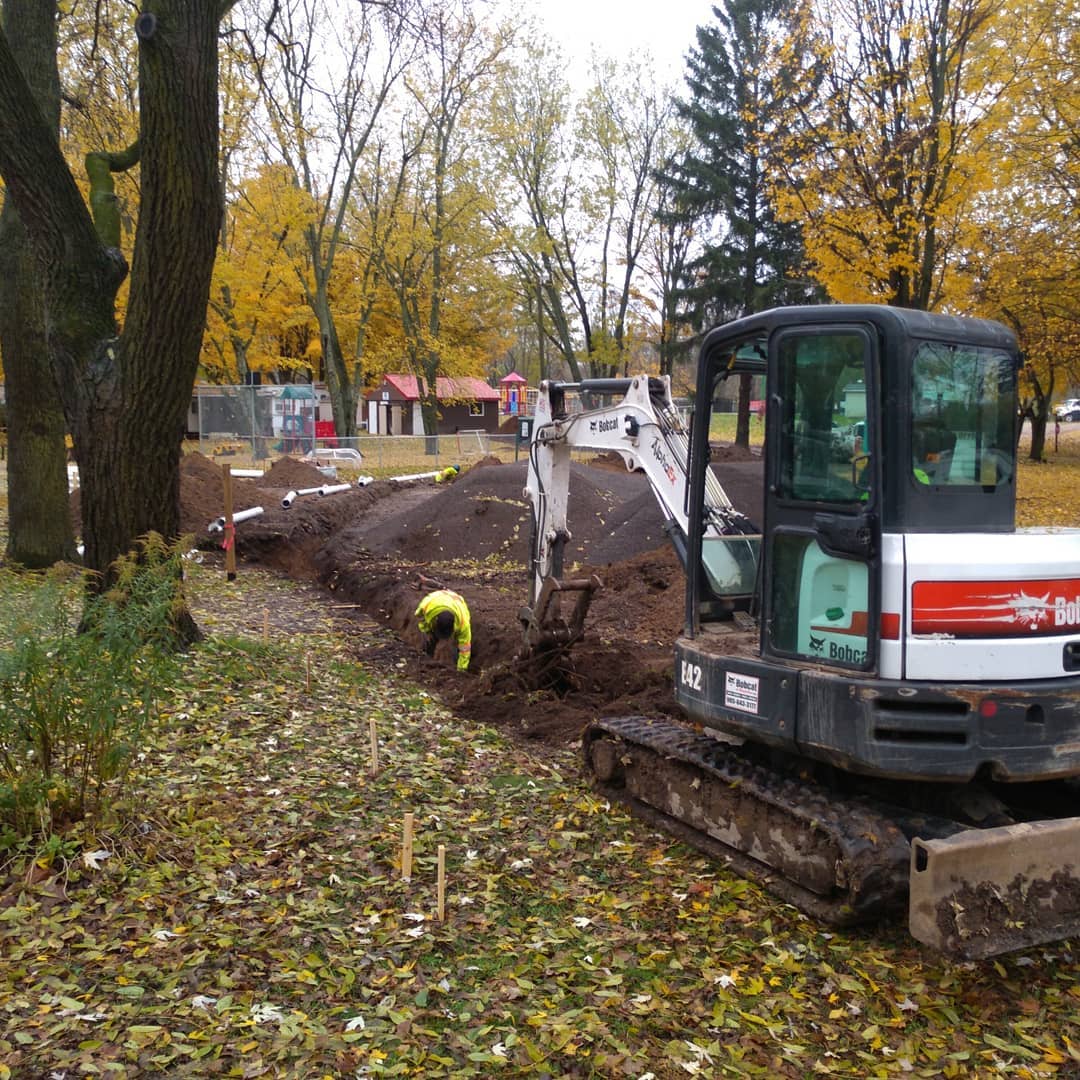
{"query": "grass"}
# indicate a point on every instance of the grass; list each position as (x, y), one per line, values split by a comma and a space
(385, 456)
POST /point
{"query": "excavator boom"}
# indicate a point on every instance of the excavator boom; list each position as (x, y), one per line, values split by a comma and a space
(637, 420)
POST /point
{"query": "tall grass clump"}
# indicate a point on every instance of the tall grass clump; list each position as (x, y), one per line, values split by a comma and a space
(80, 683)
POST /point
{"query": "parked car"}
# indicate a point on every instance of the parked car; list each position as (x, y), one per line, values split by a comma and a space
(1068, 409)
(335, 455)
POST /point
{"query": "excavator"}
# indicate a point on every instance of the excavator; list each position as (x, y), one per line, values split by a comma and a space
(881, 678)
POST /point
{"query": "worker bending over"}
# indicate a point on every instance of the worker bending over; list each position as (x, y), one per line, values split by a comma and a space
(443, 615)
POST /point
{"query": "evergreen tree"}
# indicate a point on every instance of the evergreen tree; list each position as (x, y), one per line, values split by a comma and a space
(747, 260)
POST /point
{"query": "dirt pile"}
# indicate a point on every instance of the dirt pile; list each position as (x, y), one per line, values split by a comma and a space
(485, 513)
(202, 494)
(283, 538)
(380, 548)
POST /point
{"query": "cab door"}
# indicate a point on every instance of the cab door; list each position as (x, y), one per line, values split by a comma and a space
(822, 537)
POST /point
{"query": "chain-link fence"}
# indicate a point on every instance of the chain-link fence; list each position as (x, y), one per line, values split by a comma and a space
(250, 426)
(253, 425)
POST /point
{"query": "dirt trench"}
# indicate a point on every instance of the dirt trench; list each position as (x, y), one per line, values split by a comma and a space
(377, 549)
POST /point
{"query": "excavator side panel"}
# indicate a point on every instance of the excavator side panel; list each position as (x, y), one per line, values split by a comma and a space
(982, 892)
(722, 685)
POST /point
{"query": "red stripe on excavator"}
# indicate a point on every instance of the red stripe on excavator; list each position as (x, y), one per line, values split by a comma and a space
(973, 609)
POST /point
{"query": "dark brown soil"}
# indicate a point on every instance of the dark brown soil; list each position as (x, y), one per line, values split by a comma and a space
(378, 549)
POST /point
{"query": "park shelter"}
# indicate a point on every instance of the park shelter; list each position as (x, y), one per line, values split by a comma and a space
(465, 404)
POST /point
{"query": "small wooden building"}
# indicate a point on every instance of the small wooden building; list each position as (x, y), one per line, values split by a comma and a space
(465, 404)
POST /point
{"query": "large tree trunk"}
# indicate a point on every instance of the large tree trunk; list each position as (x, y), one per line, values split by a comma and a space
(39, 521)
(39, 516)
(126, 396)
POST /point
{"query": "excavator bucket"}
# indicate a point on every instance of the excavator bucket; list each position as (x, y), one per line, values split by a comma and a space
(547, 625)
(982, 892)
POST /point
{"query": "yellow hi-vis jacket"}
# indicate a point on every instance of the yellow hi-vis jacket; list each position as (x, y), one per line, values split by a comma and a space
(428, 611)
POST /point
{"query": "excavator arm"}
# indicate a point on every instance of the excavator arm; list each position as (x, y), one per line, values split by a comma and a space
(637, 420)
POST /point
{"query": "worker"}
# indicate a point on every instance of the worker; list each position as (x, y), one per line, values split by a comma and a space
(448, 475)
(443, 615)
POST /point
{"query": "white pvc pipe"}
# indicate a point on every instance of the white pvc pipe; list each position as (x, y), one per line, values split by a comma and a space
(333, 489)
(295, 494)
(254, 474)
(363, 481)
(418, 476)
(218, 525)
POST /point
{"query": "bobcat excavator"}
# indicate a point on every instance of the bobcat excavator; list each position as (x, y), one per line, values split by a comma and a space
(881, 679)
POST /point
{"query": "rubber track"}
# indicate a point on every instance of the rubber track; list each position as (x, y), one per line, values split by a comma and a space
(872, 880)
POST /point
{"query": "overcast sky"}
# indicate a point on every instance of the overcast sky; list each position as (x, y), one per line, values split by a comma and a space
(665, 29)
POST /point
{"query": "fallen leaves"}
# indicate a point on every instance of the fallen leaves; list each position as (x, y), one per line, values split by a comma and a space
(248, 917)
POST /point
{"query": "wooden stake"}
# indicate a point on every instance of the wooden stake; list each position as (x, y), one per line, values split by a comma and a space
(440, 890)
(374, 736)
(230, 527)
(406, 849)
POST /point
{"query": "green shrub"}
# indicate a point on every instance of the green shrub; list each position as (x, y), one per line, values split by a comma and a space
(76, 703)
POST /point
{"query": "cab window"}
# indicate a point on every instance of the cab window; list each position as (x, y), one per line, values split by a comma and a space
(963, 408)
(824, 451)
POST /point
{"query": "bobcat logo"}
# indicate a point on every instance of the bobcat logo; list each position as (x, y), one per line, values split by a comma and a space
(816, 643)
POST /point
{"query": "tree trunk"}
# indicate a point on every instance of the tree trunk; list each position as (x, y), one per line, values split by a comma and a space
(126, 396)
(1038, 432)
(39, 519)
(339, 384)
(429, 413)
(742, 420)
(39, 516)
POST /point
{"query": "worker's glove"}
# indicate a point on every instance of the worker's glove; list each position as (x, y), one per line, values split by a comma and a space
(429, 645)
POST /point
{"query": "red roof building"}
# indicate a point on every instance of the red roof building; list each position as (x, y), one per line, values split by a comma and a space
(465, 404)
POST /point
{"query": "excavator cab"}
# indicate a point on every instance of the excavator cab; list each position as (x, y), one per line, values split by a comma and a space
(884, 427)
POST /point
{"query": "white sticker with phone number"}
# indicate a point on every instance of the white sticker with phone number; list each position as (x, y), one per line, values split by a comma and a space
(741, 692)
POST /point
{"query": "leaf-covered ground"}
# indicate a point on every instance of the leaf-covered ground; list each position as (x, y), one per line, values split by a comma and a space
(251, 919)
(249, 916)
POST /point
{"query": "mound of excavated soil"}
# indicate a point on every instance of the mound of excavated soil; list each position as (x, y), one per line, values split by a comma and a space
(378, 549)
(612, 516)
